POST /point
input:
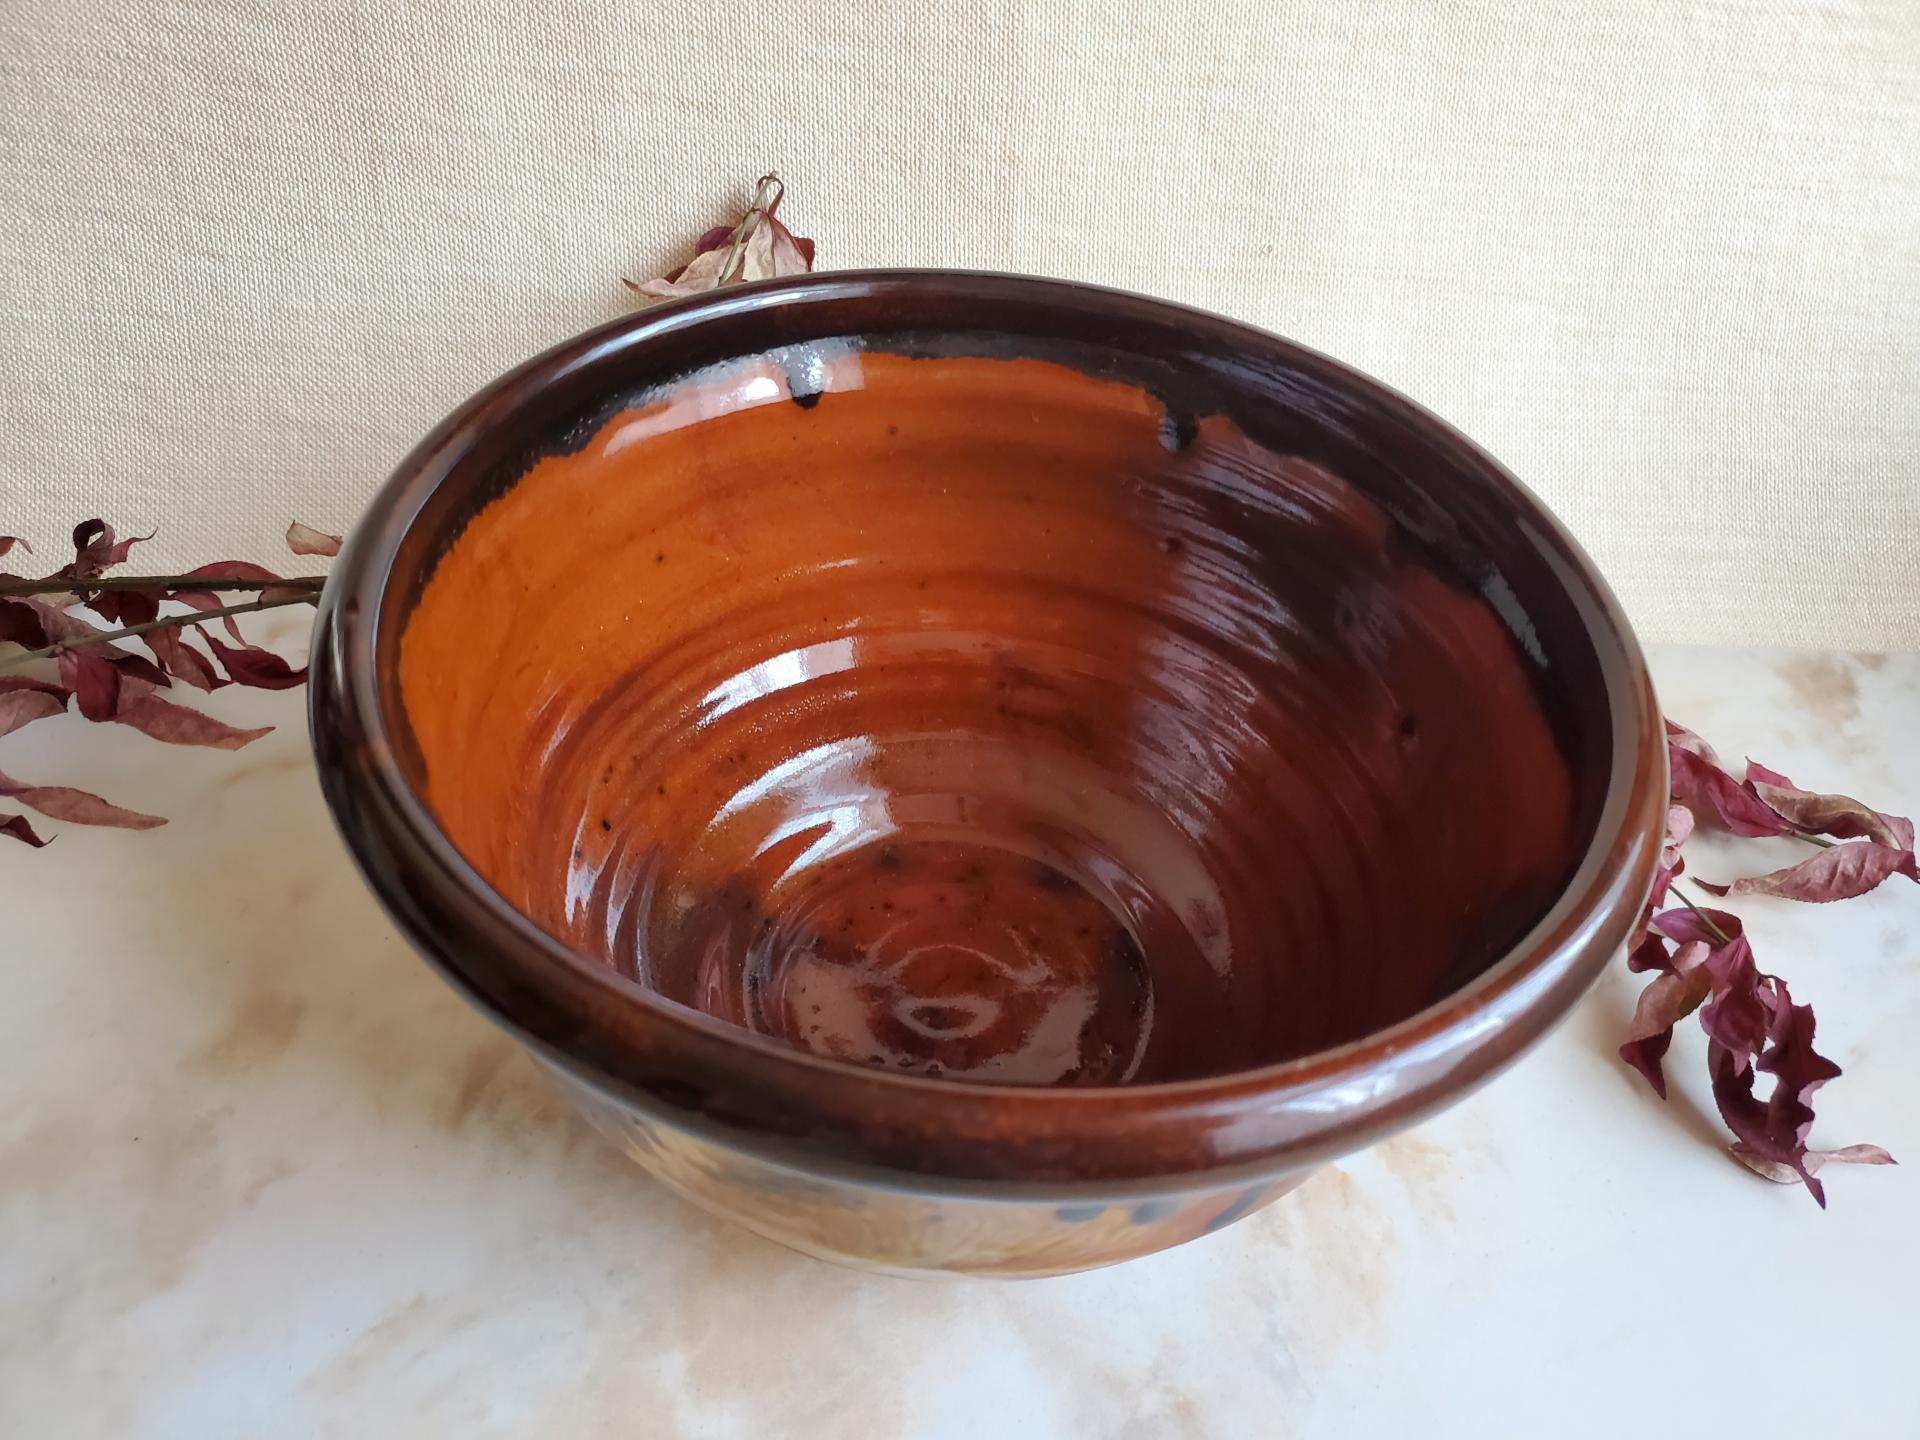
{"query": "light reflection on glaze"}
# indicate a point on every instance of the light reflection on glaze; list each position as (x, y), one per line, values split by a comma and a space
(957, 721)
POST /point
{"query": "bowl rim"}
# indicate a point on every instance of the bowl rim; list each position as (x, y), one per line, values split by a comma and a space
(755, 1092)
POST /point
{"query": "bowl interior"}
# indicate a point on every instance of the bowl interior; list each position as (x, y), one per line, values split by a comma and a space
(1032, 708)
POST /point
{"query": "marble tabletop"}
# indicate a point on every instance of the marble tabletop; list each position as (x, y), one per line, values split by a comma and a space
(262, 1173)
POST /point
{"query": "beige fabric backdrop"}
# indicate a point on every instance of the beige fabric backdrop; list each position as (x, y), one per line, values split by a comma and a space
(1662, 259)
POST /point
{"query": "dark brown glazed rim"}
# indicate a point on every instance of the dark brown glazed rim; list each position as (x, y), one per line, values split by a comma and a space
(755, 1092)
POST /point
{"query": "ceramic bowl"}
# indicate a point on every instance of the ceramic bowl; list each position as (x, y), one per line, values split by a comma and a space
(969, 773)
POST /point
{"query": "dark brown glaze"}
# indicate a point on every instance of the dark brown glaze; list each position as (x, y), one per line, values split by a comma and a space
(1074, 691)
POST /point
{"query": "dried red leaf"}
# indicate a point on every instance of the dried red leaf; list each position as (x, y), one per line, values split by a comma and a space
(1839, 873)
(759, 246)
(22, 623)
(7, 542)
(53, 625)
(95, 674)
(180, 660)
(772, 250)
(1649, 953)
(20, 707)
(62, 802)
(262, 669)
(18, 827)
(96, 550)
(305, 540)
(1775, 1129)
(205, 600)
(89, 534)
(127, 607)
(178, 724)
(1840, 816)
(228, 570)
(23, 707)
(1736, 1016)
(1668, 999)
(1679, 829)
(1712, 794)
(1813, 1161)
(94, 681)
(1678, 736)
(714, 239)
(1706, 927)
(11, 683)
(703, 272)
(138, 667)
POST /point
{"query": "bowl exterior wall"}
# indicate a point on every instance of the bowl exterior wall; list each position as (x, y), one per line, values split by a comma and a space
(915, 1232)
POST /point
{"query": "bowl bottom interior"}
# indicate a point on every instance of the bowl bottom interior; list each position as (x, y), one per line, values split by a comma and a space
(982, 717)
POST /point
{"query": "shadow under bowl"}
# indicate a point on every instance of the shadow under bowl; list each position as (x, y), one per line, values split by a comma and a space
(961, 772)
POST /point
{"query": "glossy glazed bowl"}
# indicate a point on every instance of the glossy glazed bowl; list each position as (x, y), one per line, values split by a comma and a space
(967, 773)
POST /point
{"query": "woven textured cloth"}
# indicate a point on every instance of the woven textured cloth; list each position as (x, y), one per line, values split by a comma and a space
(1663, 260)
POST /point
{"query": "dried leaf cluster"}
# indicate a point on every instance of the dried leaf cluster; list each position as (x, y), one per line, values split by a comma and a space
(66, 659)
(1702, 962)
(756, 246)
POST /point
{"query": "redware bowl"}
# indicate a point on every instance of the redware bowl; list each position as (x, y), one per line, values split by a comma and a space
(969, 773)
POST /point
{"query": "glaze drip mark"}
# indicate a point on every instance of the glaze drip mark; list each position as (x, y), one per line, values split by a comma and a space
(807, 379)
(1242, 1205)
(1177, 432)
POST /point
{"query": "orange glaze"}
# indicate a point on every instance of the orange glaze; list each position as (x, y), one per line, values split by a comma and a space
(978, 717)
